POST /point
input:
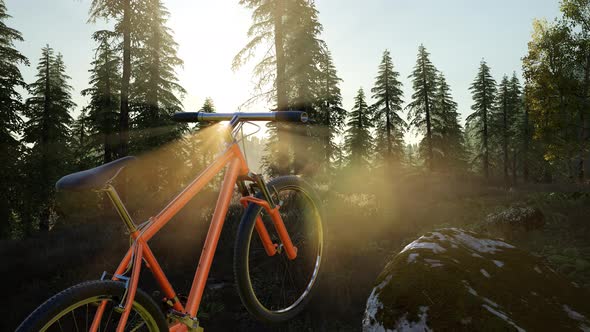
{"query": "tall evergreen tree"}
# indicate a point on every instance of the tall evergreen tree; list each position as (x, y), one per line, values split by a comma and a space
(104, 96)
(503, 119)
(268, 28)
(208, 142)
(292, 29)
(125, 12)
(331, 116)
(155, 92)
(389, 126)
(48, 131)
(357, 140)
(483, 90)
(82, 150)
(421, 107)
(11, 101)
(517, 128)
(447, 132)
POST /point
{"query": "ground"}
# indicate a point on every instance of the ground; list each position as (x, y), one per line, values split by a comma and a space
(368, 223)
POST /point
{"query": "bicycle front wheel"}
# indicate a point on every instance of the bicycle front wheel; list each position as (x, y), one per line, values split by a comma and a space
(274, 288)
(74, 309)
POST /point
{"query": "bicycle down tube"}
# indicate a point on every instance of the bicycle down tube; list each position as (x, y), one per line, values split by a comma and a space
(234, 161)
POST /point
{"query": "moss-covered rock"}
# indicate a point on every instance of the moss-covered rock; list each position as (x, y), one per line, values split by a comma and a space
(514, 220)
(455, 280)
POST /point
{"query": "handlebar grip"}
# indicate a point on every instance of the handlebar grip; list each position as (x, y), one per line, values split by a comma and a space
(186, 117)
(291, 116)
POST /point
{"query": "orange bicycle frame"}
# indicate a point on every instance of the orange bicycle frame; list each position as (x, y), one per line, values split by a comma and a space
(234, 161)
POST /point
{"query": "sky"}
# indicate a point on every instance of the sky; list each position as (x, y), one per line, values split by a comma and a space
(457, 33)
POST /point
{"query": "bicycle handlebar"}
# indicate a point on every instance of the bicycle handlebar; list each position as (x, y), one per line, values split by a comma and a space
(281, 116)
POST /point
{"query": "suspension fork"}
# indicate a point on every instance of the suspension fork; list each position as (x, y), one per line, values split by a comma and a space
(272, 209)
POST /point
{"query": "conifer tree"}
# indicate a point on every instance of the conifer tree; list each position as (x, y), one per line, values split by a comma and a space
(104, 97)
(483, 90)
(155, 90)
(357, 141)
(48, 131)
(503, 119)
(267, 29)
(82, 150)
(517, 130)
(292, 29)
(331, 115)
(389, 126)
(11, 101)
(155, 95)
(447, 132)
(125, 13)
(421, 107)
(209, 143)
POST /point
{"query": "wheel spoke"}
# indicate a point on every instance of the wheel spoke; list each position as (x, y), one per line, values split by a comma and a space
(75, 323)
(59, 323)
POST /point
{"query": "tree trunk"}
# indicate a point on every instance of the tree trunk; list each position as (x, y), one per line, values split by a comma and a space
(282, 101)
(107, 109)
(514, 169)
(124, 114)
(328, 130)
(525, 150)
(282, 158)
(584, 119)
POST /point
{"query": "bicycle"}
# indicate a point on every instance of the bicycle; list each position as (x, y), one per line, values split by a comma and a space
(288, 203)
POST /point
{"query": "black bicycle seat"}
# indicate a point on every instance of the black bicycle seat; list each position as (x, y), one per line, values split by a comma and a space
(94, 178)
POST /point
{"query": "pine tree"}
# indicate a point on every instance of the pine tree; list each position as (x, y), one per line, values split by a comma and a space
(447, 132)
(104, 97)
(48, 131)
(331, 116)
(502, 118)
(516, 127)
(125, 12)
(357, 141)
(155, 93)
(483, 90)
(421, 107)
(389, 126)
(292, 29)
(155, 90)
(11, 101)
(208, 141)
(83, 152)
(268, 27)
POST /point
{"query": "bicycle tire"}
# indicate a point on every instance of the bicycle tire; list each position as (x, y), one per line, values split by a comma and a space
(59, 304)
(242, 252)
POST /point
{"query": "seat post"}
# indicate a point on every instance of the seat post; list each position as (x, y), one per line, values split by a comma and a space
(118, 203)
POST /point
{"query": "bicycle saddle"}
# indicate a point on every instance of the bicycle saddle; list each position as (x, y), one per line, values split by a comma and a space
(94, 178)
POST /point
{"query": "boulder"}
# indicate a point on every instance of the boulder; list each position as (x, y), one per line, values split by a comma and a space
(455, 280)
(513, 220)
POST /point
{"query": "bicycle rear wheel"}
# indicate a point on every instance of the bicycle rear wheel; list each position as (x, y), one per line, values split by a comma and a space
(73, 310)
(273, 288)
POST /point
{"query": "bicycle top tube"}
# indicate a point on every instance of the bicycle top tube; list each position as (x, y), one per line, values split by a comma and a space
(281, 116)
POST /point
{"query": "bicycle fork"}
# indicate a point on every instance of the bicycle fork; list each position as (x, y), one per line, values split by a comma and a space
(272, 209)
